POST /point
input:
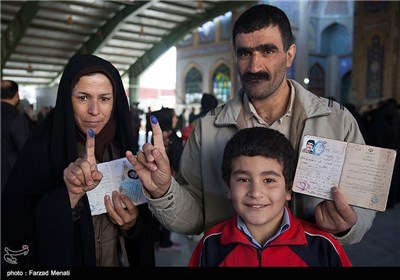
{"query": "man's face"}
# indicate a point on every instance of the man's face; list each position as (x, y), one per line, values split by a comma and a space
(262, 61)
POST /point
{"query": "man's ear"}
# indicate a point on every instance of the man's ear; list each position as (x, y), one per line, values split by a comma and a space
(291, 53)
(16, 98)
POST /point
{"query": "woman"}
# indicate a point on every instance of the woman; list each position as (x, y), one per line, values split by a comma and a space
(45, 205)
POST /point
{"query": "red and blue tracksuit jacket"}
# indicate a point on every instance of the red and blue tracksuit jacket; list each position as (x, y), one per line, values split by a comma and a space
(301, 245)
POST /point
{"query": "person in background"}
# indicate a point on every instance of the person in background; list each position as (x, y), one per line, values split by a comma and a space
(136, 121)
(15, 128)
(45, 209)
(196, 200)
(41, 115)
(27, 110)
(181, 121)
(208, 103)
(174, 146)
(259, 173)
(192, 115)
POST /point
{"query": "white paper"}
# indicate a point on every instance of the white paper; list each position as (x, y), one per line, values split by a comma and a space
(362, 172)
(118, 175)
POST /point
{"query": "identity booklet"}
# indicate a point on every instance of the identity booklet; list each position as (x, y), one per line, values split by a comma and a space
(118, 175)
(363, 173)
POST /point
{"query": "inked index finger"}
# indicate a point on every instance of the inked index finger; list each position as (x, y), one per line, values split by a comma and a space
(90, 156)
(157, 134)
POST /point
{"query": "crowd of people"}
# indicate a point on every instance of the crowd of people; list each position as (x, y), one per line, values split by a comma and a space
(228, 176)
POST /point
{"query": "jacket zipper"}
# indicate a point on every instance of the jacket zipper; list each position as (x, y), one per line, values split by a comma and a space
(259, 257)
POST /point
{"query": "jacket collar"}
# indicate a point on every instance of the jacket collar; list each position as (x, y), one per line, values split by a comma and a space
(305, 105)
(294, 235)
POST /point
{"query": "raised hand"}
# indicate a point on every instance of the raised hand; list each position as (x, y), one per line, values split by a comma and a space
(337, 216)
(152, 164)
(82, 175)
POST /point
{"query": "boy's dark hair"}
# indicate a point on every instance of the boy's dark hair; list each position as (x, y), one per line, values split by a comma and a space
(262, 16)
(260, 141)
(8, 89)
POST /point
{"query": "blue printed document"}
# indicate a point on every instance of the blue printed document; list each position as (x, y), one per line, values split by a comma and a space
(118, 175)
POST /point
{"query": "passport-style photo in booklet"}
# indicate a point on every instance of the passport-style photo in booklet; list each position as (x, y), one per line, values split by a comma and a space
(363, 173)
(118, 175)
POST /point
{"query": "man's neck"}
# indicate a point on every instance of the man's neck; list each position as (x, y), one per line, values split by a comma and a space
(275, 106)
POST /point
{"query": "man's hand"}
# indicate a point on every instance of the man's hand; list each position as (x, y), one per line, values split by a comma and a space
(152, 164)
(82, 175)
(337, 216)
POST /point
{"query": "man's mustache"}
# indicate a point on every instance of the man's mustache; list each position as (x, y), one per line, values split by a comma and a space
(250, 77)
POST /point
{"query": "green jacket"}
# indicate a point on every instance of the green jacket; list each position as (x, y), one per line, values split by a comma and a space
(199, 200)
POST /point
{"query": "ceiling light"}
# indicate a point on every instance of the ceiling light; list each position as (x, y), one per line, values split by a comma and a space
(70, 20)
(29, 69)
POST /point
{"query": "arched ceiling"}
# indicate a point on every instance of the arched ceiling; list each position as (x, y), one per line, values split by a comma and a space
(39, 37)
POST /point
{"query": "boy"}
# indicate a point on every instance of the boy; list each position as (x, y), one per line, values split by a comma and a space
(258, 167)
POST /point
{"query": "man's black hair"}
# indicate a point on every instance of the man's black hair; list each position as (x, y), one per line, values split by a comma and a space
(262, 16)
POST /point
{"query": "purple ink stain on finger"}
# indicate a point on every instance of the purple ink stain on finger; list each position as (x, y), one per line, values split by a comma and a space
(153, 120)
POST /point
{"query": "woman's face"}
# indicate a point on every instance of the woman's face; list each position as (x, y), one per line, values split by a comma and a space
(92, 102)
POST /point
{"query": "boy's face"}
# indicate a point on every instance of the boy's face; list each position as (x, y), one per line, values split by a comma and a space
(258, 192)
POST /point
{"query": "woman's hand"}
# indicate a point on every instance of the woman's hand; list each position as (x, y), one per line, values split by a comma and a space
(82, 175)
(121, 211)
(152, 164)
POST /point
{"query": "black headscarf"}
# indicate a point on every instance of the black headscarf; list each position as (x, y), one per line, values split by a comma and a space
(35, 206)
(64, 123)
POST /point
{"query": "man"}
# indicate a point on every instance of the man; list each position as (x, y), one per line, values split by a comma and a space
(15, 128)
(264, 48)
